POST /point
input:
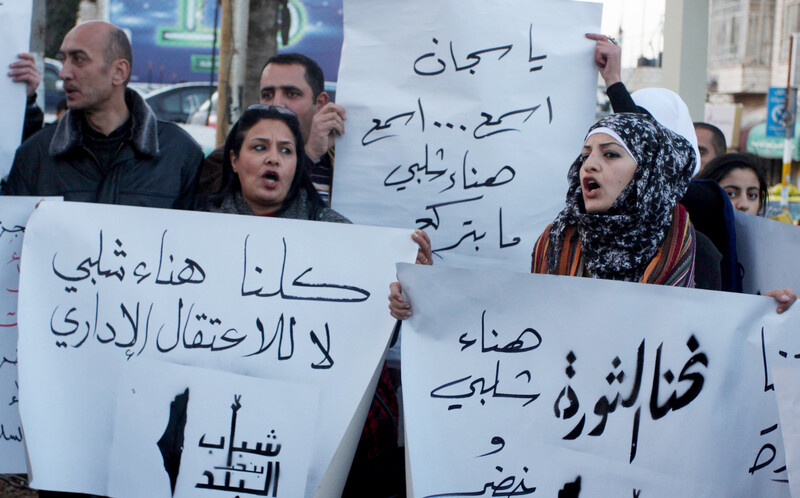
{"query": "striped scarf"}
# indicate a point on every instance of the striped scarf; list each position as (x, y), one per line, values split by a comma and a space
(673, 263)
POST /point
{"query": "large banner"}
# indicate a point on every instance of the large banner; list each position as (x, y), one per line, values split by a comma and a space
(767, 253)
(14, 213)
(563, 386)
(14, 39)
(463, 118)
(103, 286)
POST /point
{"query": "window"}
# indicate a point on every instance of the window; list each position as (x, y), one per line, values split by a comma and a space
(791, 24)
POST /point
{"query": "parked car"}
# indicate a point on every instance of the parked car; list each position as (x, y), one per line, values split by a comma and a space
(774, 202)
(177, 102)
(53, 87)
(201, 115)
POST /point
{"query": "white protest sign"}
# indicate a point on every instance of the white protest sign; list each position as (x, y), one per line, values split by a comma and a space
(236, 434)
(102, 286)
(787, 392)
(767, 253)
(463, 118)
(14, 39)
(14, 213)
(518, 382)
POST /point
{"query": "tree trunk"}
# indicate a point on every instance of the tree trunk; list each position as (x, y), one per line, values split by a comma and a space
(262, 43)
(248, 39)
(61, 16)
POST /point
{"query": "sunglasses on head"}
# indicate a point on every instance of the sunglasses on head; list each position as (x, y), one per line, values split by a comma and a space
(264, 107)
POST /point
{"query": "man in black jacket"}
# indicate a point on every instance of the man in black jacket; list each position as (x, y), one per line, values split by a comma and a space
(109, 148)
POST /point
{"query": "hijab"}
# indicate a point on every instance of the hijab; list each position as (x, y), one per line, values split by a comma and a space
(620, 243)
(669, 109)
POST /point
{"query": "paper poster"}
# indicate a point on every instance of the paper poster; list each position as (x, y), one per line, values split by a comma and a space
(463, 118)
(14, 39)
(14, 213)
(194, 432)
(564, 386)
(787, 392)
(767, 253)
(103, 286)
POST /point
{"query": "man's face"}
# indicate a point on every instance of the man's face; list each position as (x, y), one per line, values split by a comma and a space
(285, 85)
(705, 147)
(88, 80)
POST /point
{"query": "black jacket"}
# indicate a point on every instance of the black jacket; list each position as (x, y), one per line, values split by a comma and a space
(157, 165)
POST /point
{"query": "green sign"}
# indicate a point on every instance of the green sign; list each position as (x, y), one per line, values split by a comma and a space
(202, 63)
(190, 32)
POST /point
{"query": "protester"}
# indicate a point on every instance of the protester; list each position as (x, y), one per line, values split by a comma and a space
(710, 141)
(296, 82)
(622, 220)
(109, 147)
(261, 176)
(25, 71)
(743, 179)
(715, 257)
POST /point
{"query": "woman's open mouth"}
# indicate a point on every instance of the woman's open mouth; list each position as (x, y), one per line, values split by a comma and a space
(271, 178)
(590, 185)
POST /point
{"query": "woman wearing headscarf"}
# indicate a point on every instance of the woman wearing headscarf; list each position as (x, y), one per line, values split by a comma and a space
(622, 220)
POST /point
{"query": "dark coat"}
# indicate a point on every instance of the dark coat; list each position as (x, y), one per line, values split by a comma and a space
(157, 165)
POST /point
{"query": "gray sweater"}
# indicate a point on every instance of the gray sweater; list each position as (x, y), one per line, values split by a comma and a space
(234, 203)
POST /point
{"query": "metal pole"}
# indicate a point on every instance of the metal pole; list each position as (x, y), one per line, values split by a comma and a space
(213, 59)
(790, 105)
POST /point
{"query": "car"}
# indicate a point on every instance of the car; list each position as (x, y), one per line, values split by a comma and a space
(774, 202)
(53, 87)
(177, 102)
(202, 117)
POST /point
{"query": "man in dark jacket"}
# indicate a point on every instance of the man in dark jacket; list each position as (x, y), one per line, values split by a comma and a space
(109, 147)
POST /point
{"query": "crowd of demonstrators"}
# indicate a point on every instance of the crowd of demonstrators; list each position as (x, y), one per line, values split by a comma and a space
(296, 82)
(624, 217)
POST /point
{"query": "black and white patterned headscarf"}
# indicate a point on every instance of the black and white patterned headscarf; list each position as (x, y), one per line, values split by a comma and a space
(619, 243)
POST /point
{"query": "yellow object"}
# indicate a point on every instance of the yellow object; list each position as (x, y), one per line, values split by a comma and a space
(783, 217)
(776, 190)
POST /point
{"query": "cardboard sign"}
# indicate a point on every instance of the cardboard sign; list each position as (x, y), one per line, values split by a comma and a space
(102, 286)
(518, 383)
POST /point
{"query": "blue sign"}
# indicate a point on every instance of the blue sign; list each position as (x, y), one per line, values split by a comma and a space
(778, 116)
(172, 39)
